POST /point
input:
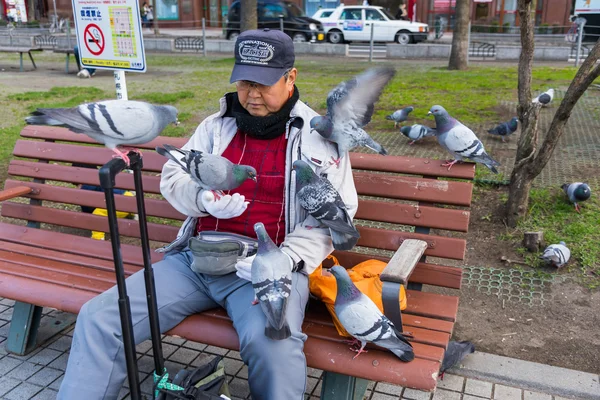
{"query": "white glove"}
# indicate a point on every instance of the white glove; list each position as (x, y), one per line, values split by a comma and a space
(244, 267)
(224, 208)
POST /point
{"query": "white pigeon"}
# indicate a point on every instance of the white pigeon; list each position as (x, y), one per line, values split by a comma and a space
(544, 98)
(113, 123)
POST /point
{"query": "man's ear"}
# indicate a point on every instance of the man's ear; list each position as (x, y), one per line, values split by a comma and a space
(292, 76)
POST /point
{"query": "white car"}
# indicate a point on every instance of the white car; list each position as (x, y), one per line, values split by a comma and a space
(323, 13)
(353, 23)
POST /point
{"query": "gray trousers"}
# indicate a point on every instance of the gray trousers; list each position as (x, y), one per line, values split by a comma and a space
(96, 368)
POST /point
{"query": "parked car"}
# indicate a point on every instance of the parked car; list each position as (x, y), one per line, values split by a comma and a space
(323, 13)
(353, 23)
(295, 23)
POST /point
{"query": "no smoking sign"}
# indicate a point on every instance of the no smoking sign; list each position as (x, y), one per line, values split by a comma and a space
(94, 39)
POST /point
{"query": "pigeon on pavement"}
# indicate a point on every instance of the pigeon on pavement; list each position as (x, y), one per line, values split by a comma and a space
(113, 122)
(400, 115)
(272, 283)
(545, 98)
(556, 254)
(505, 129)
(454, 354)
(459, 140)
(577, 192)
(362, 319)
(350, 107)
(318, 196)
(417, 132)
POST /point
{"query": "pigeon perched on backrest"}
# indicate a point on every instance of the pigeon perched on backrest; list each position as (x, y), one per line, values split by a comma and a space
(577, 192)
(417, 132)
(400, 115)
(454, 354)
(545, 98)
(211, 172)
(113, 122)
(556, 254)
(459, 140)
(505, 128)
(320, 199)
(362, 319)
(272, 283)
(350, 106)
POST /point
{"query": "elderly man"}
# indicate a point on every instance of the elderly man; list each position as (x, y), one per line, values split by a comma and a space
(262, 124)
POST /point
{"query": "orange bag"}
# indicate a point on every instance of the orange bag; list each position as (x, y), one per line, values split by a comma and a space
(366, 278)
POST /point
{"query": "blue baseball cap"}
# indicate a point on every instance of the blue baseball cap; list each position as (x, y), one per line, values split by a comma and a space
(262, 56)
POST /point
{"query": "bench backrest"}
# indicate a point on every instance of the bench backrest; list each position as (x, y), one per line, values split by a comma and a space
(400, 198)
(189, 43)
(45, 41)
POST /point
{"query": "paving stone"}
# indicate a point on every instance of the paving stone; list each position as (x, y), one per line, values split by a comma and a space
(26, 356)
(177, 341)
(311, 384)
(216, 350)
(7, 384)
(147, 383)
(471, 397)
(24, 371)
(23, 391)
(243, 373)
(502, 392)
(62, 344)
(194, 345)
(315, 373)
(183, 355)
(239, 387)
(232, 366)
(146, 364)
(202, 359)
(167, 349)
(144, 346)
(529, 395)
(46, 394)
(7, 314)
(478, 388)
(382, 396)
(388, 388)
(442, 394)
(234, 354)
(56, 384)
(45, 376)
(7, 302)
(60, 362)
(452, 382)
(413, 394)
(123, 393)
(318, 389)
(8, 364)
(173, 367)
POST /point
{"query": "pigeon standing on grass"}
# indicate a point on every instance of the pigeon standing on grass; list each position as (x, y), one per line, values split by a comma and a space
(318, 196)
(362, 319)
(350, 107)
(577, 192)
(454, 354)
(113, 123)
(272, 283)
(400, 115)
(544, 98)
(557, 254)
(211, 172)
(417, 132)
(505, 129)
(459, 140)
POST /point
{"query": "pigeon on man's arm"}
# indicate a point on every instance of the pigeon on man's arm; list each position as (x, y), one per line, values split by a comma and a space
(505, 129)
(454, 354)
(577, 192)
(400, 115)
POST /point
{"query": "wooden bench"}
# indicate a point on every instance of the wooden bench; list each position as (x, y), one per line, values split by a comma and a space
(50, 42)
(21, 50)
(401, 198)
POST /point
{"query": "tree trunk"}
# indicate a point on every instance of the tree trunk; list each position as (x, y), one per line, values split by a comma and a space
(248, 16)
(460, 36)
(155, 20)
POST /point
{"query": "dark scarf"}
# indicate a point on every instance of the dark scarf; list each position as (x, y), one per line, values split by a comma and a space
(268, 127)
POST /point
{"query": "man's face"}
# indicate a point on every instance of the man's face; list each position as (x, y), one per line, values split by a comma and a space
(260, 100)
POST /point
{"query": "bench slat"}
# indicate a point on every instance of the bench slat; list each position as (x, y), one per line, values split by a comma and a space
(432, 305)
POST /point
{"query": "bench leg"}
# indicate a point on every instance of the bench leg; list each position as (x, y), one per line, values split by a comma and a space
(21, 62)
(33, 62)
(67, 68)
(342, 387)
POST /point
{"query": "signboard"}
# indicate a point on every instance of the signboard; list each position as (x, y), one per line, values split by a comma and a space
(16, 10)
(587, 6)
(109, 34)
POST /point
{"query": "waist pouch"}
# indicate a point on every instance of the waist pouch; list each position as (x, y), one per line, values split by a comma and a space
(216, 253)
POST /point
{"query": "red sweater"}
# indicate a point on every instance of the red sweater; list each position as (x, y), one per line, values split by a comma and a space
(266, 196)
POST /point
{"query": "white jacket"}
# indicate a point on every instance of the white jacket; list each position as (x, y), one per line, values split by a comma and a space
(304, 239)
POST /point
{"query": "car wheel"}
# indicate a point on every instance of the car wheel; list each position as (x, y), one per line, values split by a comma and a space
(233, 35)
(335, 37)
(404, 37)
(299, 37)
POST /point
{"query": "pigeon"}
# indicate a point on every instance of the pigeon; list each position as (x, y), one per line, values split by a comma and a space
(417, 132)
(454, 354)
(320, 199)
(350, 107)
(556, 254)
(362, 319)
(113, 123)
(505, 128)
(400, 115)
(272, 283)
(577, 192)
(211, 172)
(459, 140)
(544, 98)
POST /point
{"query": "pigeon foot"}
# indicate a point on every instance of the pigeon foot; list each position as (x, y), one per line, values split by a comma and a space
(413, 142)
(121, 155)
(358, 351)
(577, 208)
(353, 342)
(254, 302)
(449, 164)
(336, 161)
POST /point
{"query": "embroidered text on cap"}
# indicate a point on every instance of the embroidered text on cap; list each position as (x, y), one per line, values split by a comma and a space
(255, 52)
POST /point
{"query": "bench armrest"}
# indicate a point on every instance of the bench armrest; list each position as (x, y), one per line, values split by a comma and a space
(14, 192)
(404, 261)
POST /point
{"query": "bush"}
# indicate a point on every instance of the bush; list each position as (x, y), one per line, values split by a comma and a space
(494, 27)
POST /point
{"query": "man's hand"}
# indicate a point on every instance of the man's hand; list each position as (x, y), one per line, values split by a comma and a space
(244, 267)
(225, 207)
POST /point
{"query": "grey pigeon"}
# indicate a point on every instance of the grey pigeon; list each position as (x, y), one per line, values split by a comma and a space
(454, 354)
(459, 140)
(400, 115)
(557, 254)
(577, 192)
(112, 122)
(350, 107)
(272, 283)
(318, 196)
(417, 132)
(211, 172)
(505, 128)
(544, 98)
(362, 319)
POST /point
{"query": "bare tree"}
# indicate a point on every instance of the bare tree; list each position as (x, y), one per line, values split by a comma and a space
(531, 159)
(460, 36)
(248, 18)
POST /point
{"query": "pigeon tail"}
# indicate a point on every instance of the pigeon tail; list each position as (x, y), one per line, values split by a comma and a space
(492, 168)
(37, 118)
(389, 117)
(278, 334)
(343, 241)
(166, 152)
(403, 355)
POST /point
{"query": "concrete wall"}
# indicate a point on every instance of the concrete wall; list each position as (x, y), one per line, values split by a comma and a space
(539, 53)
(418, 51)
